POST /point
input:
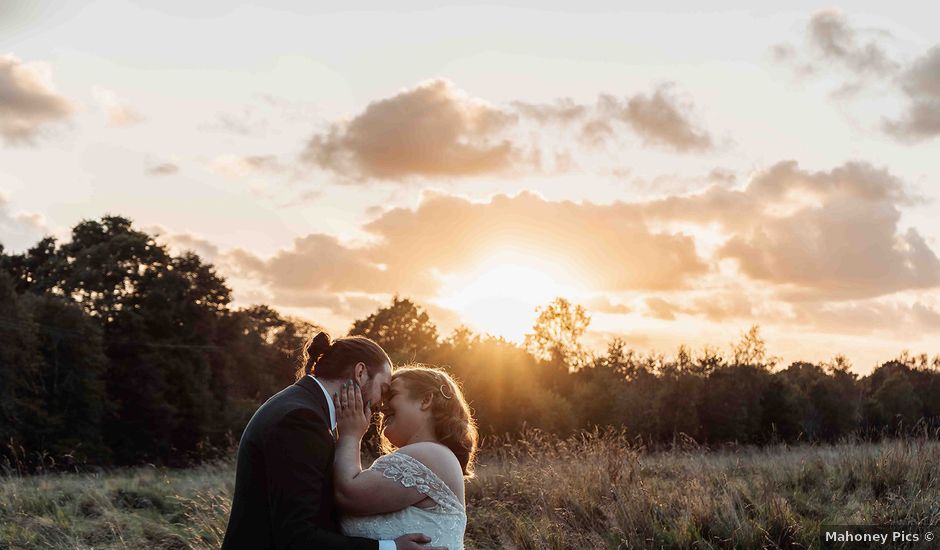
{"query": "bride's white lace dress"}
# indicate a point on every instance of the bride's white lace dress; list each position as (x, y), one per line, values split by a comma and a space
(445, 523)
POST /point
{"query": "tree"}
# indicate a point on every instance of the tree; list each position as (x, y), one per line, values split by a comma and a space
(19, 366)
(101, 268)
(895, 404)
(780, 406)
(70, 389)
(556, 334)
(403, 329)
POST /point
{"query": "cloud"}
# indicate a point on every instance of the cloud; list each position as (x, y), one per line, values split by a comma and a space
(835, 40)
(239, 166)
(245, 124)
(561, 111)
(921, 83)
(659, 308)
(832, 235)
(28, 101)
(676, 184)
(162, 169)
(926, 316)
(183, 242)
(721, 306)
(434, 130)
(861, 58)
(430, 130)
(602, 304)
(119, 114)
(607, 247)
(320, 263)
(660, 119)
(802, 236)
(19, 230)
(868, 317)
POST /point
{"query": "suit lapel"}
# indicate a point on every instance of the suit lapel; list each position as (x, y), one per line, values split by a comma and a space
(316, 392)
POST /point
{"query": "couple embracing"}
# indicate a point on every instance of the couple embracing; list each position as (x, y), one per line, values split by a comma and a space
(299, 482)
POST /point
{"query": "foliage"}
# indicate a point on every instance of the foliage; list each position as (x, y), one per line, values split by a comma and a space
(403, 329)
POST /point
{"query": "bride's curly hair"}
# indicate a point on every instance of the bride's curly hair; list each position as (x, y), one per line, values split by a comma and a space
(454, 425)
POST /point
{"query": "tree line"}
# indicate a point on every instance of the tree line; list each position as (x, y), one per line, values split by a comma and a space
(115, 351)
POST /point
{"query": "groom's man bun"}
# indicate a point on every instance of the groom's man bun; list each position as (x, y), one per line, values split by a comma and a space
(336, 359)
(315, 348)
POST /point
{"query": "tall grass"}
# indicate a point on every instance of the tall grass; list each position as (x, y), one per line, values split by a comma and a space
(592, 490)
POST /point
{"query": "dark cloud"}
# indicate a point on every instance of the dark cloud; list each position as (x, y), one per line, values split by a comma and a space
(858, 51)
(859, 57)
(435, 130)
(829, 234)
(28, 101)
(562, 111)
(921, 83)
(660, 119)
(163, 169)
(430, 130)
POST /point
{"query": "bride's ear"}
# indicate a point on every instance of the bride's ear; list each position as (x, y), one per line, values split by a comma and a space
(426, 402)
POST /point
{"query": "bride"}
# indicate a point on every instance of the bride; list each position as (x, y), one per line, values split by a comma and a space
(429, 438)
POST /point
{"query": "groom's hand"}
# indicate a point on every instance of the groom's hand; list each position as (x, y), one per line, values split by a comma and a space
(415, 541)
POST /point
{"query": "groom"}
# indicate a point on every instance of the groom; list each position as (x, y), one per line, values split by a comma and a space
(284, 474)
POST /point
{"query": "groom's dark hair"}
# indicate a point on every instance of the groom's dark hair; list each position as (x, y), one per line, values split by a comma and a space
(332, 360)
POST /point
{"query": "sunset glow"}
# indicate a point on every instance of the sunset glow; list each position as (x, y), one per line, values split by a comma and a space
(719, 168)
(500, 295)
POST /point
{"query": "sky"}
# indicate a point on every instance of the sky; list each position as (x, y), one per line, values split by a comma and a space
(682, 172)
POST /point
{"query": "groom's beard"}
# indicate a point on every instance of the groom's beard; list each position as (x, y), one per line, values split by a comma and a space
(366, 392)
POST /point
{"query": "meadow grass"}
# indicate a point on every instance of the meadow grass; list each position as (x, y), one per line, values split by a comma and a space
(592, 490)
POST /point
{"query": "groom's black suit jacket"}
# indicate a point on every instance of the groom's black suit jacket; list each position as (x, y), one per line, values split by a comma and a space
(284, 477)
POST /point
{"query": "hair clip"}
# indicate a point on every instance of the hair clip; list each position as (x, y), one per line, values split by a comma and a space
(444, 394)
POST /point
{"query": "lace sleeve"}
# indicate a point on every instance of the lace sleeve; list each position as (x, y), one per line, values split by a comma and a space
(411, 472)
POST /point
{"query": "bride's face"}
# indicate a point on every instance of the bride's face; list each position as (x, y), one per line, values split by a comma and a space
(404, 415)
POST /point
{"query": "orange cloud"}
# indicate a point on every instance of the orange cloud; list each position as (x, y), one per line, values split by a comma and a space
(659, 308)
(606, 247)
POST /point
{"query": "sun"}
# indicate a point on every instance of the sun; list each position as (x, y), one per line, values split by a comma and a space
(500, 295)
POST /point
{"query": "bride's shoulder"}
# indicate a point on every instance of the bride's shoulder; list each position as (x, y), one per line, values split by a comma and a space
(438, 458)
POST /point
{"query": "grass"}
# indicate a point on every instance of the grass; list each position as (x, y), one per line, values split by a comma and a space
(593, 490)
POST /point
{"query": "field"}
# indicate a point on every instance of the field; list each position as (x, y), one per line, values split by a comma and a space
(588, 491)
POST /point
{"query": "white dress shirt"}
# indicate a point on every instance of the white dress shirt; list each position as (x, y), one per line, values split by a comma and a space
(383, 544)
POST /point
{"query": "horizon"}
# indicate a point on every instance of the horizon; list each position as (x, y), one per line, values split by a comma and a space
(746, 167)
